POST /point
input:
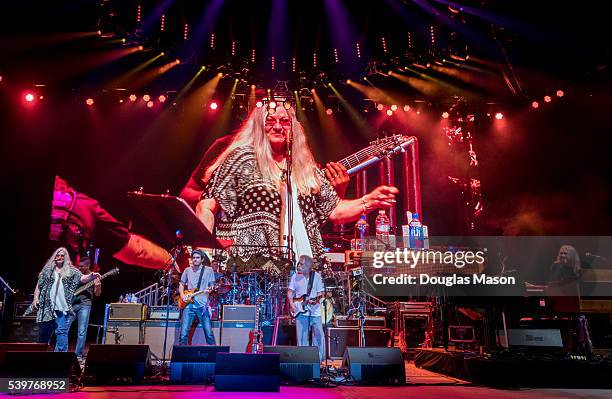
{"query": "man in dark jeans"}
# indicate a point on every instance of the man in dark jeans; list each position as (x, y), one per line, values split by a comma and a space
(81, 306)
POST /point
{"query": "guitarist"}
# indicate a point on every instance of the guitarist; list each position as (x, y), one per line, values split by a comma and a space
(308, 285)
(81, 307)
(198, 277)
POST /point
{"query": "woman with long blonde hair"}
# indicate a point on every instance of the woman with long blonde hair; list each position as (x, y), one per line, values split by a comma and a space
(566, 265)
(56, 284)
(247, 184)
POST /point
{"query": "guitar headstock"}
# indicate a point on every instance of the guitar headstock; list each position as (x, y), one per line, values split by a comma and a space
(389, 145)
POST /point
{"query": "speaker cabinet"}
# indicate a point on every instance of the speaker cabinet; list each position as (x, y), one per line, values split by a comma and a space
(154, 331)
(375, 366)
(21, 347)
(247, 372)
(37, 364)
(116, 364)
(194, 364)
(123, 333)
(339, 339)
(23, 330)
(298, 364)
(377, 337)
(237, 321)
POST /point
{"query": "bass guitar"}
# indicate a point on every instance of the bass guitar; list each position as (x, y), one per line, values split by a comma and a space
(87, 286)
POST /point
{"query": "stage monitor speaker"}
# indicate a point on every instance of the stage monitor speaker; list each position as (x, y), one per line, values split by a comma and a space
(38, 364)
(21, 347)
(124, 333)
(154, 331)
(376, 366)
(377, 337)
(247, 372)
(116, 364)
(194, 364)
(298, 364)
(338, 339)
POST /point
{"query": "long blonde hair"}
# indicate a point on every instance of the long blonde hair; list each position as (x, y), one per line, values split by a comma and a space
(67, 268)
(252, 133)
(573, 259)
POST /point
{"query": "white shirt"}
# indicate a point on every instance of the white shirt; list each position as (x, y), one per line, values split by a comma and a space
(301, 243)
(58, 296)
(299, 285)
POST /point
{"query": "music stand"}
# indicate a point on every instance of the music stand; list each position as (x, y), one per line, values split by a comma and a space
(177, 223)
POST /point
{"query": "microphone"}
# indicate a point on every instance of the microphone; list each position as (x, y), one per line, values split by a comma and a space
(590, 255)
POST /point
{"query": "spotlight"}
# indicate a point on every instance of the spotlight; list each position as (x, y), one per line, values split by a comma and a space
(348, 81)
(133, 97)
(406, 108)
(259, 104)
(29, 97)
(499, 116)
(253, 87)
(220, 74)
(162, 98)
(547, 99)
(445, 115)
(329, 111)
(389, 112)
(272, 104)
(214, 105)
(150, 104)
(287, 105)
(560, 93)
(380, 107)
(146, 98)
(535, 104)
(89, 101)
(394, 108)
(140, 48)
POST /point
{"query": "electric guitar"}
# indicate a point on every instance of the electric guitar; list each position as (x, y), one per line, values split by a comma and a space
(375, 152)
(302, 304)
(191, 294)
(255, 344)
(87, 286)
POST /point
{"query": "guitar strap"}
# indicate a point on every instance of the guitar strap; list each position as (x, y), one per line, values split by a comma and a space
(310, 283)
(197, 287)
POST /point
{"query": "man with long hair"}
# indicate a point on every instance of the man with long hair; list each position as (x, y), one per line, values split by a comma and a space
(57, 282)
(247, 183)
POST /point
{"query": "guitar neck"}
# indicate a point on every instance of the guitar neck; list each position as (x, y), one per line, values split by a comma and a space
(91, 283)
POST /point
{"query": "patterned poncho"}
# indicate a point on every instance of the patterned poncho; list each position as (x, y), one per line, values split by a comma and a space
(251, 207)
(46, 312)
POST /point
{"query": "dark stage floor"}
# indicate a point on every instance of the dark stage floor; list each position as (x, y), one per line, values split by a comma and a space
(422, 384)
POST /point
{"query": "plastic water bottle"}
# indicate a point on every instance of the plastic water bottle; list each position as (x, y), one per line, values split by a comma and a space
(416, 232)
(383, 227)
(361, 231)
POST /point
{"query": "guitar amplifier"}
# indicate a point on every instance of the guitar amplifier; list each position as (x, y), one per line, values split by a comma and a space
(123, 332)
(236, 324)
(339, 339)
(159, 313)
(20, 308)
(344, 321)
(127, 311)
(153, 333)
(375, 321)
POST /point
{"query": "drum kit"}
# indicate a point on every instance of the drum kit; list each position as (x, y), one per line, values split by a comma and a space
(239, 283)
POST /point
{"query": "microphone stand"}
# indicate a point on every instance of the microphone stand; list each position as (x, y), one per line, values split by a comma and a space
(289, 202)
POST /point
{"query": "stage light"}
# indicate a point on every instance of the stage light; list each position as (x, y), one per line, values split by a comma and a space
(547, 99)
(406, 108)
(380, 107)
(272, 104)
(214, 105)
(140, 48)
(146, 98)
(394, 108)
(133, 97)
(535, 104)
(259, 104)
(89, 101)
(0, 78)
(358, 50)
(389, 112)
(348, 81)
(329, 111)
(287, 105)
(445, 115)
(220, 74)
(253, 87)
(150, 104)
(560, 93)
(499, 116)
(29, 97)
(162, 98)
(121, 101)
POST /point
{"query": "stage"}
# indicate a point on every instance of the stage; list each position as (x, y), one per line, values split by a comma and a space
(421, 384)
